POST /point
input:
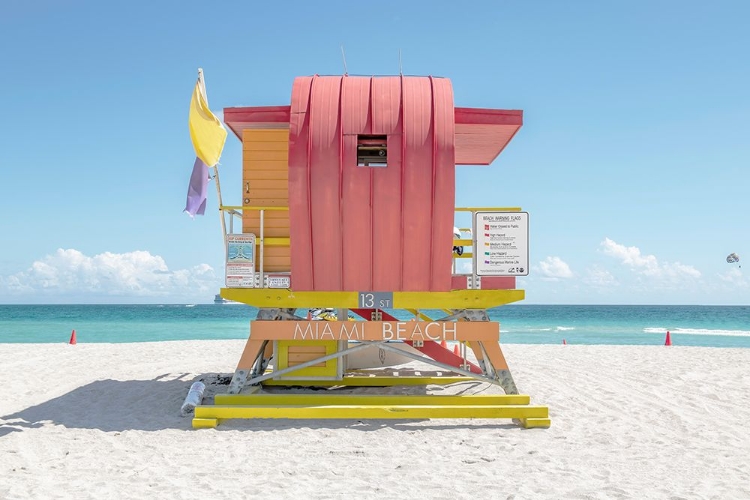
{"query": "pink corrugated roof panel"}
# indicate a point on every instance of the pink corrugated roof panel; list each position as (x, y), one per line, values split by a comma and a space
(371, 228)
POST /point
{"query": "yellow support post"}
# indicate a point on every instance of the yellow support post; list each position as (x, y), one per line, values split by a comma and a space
(205, 423)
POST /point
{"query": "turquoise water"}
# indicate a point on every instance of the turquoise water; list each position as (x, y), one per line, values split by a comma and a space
(711, 326)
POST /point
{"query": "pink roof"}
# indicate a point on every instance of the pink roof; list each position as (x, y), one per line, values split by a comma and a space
(480, 134)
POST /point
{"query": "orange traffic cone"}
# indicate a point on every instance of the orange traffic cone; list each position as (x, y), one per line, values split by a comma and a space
(564, 343)
(455, 349)
(444, 344)
(73, 338)
(668, 340)
(309, 315)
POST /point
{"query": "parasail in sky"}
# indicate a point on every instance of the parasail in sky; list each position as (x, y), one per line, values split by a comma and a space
(733, 258)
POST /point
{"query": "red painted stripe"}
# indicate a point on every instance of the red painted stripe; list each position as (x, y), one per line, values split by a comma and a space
(417, 184)
(325, 182)
(356, 212)
(444, 185)
(387, 251)
(299, 194)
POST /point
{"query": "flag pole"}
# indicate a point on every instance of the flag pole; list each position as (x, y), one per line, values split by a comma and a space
(216, 171)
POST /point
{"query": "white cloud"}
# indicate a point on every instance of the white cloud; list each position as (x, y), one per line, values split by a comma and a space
(554, 268)
(70, 273)
(734, 277)
(648, 265)
(599, 277)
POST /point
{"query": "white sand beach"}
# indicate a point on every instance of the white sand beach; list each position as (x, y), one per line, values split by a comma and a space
(103, 421)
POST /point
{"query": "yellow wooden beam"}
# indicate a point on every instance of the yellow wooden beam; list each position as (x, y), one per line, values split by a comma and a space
(420, 314)
(455, 299)
(384, 381)
(529, 423)
(205, 423)
(273, 242)
(369, 399)
(373, 411)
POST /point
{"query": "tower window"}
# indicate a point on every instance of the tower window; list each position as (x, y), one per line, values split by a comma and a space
(372, 151)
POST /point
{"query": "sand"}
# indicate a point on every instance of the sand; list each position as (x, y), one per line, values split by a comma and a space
(103, 421)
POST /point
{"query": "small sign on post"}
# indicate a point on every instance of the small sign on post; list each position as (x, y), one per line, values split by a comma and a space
(502, 244)
(240, 261)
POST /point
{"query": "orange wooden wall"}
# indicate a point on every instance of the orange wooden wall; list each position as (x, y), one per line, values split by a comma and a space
(265, 174)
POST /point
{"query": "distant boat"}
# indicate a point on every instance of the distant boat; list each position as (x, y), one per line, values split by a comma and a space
(218, 299)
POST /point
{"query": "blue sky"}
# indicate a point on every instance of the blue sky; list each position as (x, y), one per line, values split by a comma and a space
(632, 161)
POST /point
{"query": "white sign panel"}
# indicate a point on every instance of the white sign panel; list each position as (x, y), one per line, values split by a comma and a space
(278, 281)
(240, 264)
(501, 243)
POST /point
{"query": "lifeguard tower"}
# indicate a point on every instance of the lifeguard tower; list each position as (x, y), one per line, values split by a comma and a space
(349, 205)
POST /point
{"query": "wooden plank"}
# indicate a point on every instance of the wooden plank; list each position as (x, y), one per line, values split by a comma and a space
(277, 215)
(249, 353)
(265, 135)
(531, 423)
(264, 184)
(261, 155)
(298, 359)
(205, 423)
(269, 202)
(269, 232)
(277, 250)
(384, 381)
(264, 165)
(266, 194)
(377, 330)
(253, 174)
(267, 223)
(274, 263)
(319, 350)
(373, 411)
(251, 145)
(455, 299)
(370, 399)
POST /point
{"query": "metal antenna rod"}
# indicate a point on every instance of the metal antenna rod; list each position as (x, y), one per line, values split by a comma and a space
(346, 72)
(400, 67)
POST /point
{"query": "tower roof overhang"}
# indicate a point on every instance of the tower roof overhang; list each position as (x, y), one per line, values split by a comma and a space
(481, 134)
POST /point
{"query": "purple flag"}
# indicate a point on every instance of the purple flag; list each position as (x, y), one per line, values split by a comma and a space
(196, 196)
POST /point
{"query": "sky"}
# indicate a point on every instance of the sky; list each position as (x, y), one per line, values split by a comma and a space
(632, 161)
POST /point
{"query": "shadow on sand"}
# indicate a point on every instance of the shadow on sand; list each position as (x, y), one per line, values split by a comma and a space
(153, 405)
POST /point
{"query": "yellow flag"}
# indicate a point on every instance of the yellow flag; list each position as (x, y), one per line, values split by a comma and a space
(206, 131)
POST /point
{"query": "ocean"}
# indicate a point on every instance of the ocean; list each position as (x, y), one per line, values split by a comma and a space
(709, 326)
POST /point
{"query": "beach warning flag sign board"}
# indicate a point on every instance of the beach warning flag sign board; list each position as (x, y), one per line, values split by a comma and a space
(501, 243)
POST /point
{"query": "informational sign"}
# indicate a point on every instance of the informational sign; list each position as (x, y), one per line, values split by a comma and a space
(501, 245)
(278, 281)
(240, 263)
